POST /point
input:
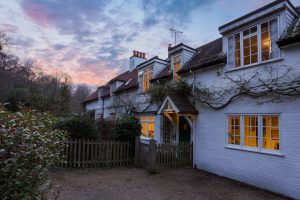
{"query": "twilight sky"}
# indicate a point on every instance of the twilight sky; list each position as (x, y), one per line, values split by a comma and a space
(91, 40)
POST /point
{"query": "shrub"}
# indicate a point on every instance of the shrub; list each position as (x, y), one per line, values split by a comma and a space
(79, 127)
(127, 127)
(106, 129)
(29, 146)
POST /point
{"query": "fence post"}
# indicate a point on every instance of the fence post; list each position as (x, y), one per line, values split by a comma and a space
(137, 151)
(152, 157)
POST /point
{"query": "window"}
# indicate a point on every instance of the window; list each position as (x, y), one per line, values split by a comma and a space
(234, 130)
(147, 124)
(176, 63)
(147, 75)
(254, 45)
(260, 132)
(270, 132)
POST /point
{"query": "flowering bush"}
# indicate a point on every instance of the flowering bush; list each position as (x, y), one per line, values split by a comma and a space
(28, 146)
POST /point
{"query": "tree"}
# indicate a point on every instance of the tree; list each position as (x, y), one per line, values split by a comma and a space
(81, 92)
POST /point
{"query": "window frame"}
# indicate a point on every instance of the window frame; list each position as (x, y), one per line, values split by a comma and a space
(176, 60)
(259, 147)
(148, 72)
(147, 121)
(259, 50)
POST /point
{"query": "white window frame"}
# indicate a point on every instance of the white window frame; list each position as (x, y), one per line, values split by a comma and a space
(258, 25)
(147, 121)
(260, 148)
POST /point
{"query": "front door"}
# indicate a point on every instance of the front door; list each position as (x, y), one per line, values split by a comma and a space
(184, 130)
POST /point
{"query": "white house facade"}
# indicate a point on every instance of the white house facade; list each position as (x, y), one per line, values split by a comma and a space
(244, 110)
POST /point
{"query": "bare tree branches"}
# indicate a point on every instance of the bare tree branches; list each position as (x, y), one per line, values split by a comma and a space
(270, 84)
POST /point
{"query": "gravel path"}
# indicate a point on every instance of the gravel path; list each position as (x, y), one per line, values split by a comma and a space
(132, 183)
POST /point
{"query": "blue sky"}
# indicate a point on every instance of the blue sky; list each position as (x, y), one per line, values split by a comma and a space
(91, 40)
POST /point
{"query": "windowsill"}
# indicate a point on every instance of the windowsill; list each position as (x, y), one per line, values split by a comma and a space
(273, 153)
(145, 138)
(253, 65)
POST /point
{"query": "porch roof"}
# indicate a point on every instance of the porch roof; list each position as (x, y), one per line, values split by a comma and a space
(179, 102)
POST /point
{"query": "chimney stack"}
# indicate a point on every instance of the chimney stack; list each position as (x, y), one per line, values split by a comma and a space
(137, 58)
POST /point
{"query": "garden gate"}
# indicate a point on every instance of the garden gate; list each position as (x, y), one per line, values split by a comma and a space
(155, 157)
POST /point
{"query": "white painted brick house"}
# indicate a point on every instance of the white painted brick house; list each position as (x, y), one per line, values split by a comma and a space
(250, 142)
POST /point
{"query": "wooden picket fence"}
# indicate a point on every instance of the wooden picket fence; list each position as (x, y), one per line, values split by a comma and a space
(94, 153)
(155, 157)
(174, 155)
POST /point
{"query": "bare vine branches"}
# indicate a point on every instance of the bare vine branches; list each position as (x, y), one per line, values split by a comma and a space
(267, 84)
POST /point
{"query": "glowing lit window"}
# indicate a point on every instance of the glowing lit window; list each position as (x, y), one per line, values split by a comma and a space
(176, 66)
(251, 131)
(147, 76)
(147, 124)
(234, 130)
(243, 47)
(258, 132)
(270, 132)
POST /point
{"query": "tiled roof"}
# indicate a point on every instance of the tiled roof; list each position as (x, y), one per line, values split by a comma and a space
(130, 79)
(207, 55)
(165, 73)
(131, 82)
(292, 35)
(106, 91)
(91, 97)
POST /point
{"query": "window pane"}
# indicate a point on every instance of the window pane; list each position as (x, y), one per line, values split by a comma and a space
(176, 69)
(151, 118)
(271, 132)
(151, 130)
(264, 27)
(251, 131)
(269, 36)
(234, 130)
(253, 29)
(246, 32)
(237, 48)
(246, 60)
(265, 55)
(144, 129)
(254, 58)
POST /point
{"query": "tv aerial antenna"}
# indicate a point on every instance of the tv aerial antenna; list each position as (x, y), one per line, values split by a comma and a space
(175, 31)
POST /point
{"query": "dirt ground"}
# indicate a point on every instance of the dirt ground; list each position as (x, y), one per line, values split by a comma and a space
(132, 183)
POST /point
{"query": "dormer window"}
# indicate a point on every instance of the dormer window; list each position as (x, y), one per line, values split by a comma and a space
(176, 65)
(256, 44)
(147, 76)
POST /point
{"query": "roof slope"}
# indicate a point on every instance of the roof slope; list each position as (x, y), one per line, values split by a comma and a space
(181, 102)
(91, 97)
(207, 55)
(131, 81)
(165, 73)
(292, 35)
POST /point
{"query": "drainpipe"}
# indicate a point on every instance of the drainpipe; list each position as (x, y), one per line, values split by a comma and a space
(194, 122)
(193, 86)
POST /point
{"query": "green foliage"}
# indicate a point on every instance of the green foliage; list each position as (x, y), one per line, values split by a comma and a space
(106, 129)
(127, 127)
(159, 90)
(29, 145)
(79, 127)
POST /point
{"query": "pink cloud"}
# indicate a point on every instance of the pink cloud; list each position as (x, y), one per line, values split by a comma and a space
(8, 27)
(38, 13)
